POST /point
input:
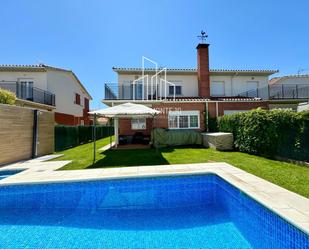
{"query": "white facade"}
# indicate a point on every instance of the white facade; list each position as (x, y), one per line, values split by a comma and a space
(62, 83)
(220, 85)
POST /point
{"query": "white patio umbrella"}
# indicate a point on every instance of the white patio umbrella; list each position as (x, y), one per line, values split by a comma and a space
(127, 110)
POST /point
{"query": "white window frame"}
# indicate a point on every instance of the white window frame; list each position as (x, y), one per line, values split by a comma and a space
(184, 113)
(212, 88)
(140, 124)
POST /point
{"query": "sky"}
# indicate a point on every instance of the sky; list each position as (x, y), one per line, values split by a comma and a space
(90, 37)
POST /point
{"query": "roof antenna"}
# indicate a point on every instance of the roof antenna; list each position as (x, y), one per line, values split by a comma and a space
(301, 70)
(203, 36)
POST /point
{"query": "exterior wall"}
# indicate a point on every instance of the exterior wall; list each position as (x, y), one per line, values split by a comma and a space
(39, 78)
(64, 86)
(234, 106)
(234, 84)
(125, 127)
(214, 109)
(161, 120)
(16, 129)
(67, 119)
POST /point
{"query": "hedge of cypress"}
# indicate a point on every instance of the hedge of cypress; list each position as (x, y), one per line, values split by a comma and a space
(283, 133)
(71, 136)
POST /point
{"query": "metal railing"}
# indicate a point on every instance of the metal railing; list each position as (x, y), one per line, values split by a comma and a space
(115, 91)
(34, 94)
(289, 91)
(279, 92)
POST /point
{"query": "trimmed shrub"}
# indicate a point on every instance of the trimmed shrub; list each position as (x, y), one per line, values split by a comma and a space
(273, 133)
(7, 97)
(71, 136)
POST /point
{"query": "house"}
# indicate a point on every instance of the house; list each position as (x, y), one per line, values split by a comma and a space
(48, 88)
(184, 96)
(288, 91)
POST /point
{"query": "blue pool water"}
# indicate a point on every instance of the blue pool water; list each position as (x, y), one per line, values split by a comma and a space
(9, 172)
(167, 212)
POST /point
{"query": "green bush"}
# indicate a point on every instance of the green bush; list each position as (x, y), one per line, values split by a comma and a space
(273, 133)
(7, 97)
(71, 136)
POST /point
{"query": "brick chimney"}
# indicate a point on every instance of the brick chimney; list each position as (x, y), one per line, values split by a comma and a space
(203, 70)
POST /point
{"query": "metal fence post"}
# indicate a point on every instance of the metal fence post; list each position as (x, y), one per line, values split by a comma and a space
(35, 134)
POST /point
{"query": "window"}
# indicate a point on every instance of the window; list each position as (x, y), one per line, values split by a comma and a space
(184, 120)
(86, 104)
(193, 121)
(77, 99)
(217, 88)
(138, 123)
(177, 90)
(173, 122)
(26, 88)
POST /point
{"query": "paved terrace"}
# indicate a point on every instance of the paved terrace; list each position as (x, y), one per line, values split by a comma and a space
(287, 204)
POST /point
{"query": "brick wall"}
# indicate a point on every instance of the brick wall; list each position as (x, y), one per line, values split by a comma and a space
(68, 119)
(16, 132)
(125, 127)
(161, 121)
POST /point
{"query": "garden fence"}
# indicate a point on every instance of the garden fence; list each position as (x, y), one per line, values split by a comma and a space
(71, 136)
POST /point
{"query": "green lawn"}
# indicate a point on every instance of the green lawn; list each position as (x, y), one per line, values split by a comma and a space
(287, 175)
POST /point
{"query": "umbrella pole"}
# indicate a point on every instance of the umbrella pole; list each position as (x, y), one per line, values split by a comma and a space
(94, 138)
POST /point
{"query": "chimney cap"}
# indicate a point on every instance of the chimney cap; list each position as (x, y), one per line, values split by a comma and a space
(202, 45)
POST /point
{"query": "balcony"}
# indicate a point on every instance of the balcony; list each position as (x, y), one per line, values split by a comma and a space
(279, 92)
(289, 91)
(29, 93)
(115, 91)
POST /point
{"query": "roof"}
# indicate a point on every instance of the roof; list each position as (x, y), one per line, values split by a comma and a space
(41, 68)
(194, 71)
(126, 110)
(277, 79)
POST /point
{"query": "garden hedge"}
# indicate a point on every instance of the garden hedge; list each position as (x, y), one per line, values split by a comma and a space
(283, 133)
(71, 136)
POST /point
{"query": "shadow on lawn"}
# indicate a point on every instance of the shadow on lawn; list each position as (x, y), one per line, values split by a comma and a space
(131, 157)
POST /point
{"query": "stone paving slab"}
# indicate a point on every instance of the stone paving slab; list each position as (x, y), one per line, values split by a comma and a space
(289, 205)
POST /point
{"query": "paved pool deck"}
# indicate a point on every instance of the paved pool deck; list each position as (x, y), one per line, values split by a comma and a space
(287, 204)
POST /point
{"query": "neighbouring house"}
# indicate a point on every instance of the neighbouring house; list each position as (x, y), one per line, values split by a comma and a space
(48, 88)
(288, 91)
(184, 96)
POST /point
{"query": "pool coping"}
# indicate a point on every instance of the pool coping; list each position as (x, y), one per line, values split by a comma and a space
(288, 205)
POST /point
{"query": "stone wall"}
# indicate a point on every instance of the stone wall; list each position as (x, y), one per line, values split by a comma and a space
(16, 133)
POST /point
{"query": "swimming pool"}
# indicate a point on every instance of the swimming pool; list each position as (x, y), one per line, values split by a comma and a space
(201, 211)
(9, 172)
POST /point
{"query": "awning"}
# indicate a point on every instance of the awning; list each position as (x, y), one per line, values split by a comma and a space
(126, 110)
